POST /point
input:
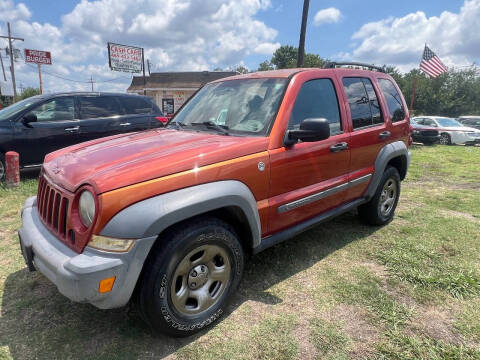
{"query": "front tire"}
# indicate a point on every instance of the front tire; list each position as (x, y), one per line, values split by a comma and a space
(381, 208)
(190, 276)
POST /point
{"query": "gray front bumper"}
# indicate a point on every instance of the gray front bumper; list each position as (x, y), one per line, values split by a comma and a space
(77, 276)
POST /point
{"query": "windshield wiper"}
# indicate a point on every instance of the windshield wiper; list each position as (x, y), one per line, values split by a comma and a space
(211, 125)
(177, 124)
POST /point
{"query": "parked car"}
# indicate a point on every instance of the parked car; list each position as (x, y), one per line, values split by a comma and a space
(424, 134)
(41, 124)
(451, 131)
(172, 214)
(470, 121)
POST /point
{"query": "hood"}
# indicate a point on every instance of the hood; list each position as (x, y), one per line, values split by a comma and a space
(126, 159)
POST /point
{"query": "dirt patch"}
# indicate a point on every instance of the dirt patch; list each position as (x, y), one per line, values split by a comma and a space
(301, 334)
(437, 324)
(356, 323)
(460, 214)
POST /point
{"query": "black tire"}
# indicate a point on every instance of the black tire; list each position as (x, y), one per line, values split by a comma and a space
(157, 297)
(445, 139)
(2, 167)
(373, 212)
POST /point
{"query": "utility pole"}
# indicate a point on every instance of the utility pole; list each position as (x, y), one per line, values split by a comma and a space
(301, 44)
(148, 67)
(40, 78)
(12, 68)
(144, 81)
(3, 69)
(91, 81)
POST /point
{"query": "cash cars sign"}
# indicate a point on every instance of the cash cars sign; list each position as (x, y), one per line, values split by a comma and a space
(38, 57)
(125, 58)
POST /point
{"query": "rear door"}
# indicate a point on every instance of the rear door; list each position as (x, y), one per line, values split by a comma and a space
(141, 113)
(101, 115)
(308, 178)
(57, 126)
(370, 131)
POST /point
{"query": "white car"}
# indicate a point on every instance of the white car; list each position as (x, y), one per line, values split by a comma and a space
(451, 131)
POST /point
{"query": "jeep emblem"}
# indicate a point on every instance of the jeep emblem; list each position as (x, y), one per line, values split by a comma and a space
(261, 166)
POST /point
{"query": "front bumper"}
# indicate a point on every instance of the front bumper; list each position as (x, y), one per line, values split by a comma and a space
(77, 276)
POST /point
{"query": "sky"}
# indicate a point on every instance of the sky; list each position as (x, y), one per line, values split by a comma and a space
(198, 35)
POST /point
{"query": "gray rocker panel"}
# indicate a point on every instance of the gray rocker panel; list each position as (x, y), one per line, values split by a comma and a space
(151, 216)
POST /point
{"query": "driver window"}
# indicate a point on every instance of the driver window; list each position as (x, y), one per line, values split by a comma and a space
(56, 110)
(429, 122)
(317, 99)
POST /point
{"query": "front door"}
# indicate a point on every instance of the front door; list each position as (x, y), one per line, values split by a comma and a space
(309, 178)
(56, 127)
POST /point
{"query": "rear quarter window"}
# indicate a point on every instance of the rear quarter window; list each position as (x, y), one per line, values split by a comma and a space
(394, 101)
(136, 105)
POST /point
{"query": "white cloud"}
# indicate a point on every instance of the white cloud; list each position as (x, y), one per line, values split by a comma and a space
(327, 16)
(455, 38)
(176, 35)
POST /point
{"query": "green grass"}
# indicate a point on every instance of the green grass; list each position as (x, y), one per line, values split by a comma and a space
(343, 290)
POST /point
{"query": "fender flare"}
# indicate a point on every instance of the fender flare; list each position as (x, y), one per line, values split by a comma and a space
(387, 153)
(152, 216)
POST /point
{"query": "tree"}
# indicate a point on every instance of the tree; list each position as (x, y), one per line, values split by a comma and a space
(29, 92)
(265, 66)
(241, 69)
(285, 57)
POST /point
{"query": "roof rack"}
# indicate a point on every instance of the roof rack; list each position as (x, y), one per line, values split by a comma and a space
(333, 64)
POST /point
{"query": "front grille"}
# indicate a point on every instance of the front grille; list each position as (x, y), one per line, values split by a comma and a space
(429, 132)
(53, 207)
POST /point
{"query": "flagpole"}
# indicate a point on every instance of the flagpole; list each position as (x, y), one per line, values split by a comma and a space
(413, 96)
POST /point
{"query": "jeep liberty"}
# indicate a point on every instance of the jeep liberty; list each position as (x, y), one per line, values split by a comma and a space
(166, 217)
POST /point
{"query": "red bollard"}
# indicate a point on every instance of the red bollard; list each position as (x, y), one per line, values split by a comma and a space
(12, 171)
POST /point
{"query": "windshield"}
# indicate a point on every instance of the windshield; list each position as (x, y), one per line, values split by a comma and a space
(238, 106)
(16, 108)
(447, 122)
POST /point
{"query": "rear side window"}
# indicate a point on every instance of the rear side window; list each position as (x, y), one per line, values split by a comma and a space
(363, 102)
(317, 99)
(136, 105)
(99, 106)
(394, 102)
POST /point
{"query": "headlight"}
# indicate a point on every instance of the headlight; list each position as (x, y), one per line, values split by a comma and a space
(110, 244)
(416, 132)
(86, 206)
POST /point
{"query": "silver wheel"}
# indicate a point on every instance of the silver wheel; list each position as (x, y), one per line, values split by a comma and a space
(2, 170)
(388, 197)
(200, 279)
(445, 139)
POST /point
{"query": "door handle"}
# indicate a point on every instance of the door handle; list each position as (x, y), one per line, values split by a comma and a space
(384, 135)
(72, 129)
(125, 124)
(339, 147)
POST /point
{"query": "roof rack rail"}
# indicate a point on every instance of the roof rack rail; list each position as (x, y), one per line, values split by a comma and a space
(333, 64)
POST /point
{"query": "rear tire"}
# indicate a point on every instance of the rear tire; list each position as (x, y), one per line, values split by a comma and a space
(381, 208)
(190, 276)
(445, 139)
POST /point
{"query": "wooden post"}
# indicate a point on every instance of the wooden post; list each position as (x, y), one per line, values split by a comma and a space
(413, 96)
(40, 78)
(144, 81)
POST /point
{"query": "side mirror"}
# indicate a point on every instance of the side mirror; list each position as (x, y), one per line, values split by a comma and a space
(313, 129)
(29, 118)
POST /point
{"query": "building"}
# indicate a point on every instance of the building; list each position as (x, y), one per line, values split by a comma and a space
(171, 89)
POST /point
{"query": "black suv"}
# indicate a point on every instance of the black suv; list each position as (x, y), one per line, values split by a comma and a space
(41, 124)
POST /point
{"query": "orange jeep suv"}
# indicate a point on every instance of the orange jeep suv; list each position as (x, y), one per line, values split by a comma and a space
(167, 216)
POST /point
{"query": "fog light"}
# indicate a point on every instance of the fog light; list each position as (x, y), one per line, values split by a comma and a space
(106, 285)
(110, 244)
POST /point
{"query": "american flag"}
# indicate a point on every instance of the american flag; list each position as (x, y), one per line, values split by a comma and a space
(431, 64)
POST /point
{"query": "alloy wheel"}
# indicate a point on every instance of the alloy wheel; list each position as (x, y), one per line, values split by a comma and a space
(388, 197)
